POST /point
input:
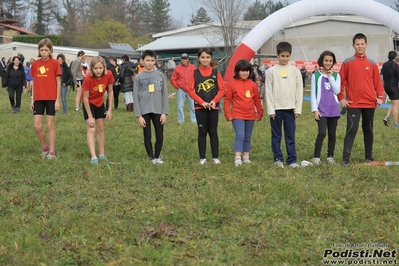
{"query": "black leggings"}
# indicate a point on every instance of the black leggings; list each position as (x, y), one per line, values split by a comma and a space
(117, 91)
(352, 125)
(207, 121)
(11, 92)
(323, 124)
(155, 118)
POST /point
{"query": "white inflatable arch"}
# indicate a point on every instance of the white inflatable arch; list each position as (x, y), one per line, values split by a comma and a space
(304, 9)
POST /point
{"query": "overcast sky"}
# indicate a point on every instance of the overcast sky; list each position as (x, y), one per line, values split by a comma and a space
(183, 9)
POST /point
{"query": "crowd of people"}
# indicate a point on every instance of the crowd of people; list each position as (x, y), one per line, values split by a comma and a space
(276, 90)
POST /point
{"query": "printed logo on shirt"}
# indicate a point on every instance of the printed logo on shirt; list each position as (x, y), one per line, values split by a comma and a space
(327, 85)
(367, 68)
(207, 85)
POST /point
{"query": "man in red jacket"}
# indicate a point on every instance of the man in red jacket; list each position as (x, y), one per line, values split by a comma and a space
(360, 78)
(179, 81)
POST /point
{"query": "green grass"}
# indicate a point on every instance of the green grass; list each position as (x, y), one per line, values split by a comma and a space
(68, 212)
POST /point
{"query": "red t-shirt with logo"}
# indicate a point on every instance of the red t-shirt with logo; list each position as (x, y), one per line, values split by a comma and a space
(97, 87)
(44, 75)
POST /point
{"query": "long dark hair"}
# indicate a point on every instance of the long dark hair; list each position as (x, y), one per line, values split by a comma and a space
(242, 65)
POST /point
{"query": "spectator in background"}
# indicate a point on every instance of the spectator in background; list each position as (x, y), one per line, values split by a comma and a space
(3, 66)
(28, 78)
(179, 81)
(171, 66)
(126, 77)
(116, 87)
(66, 79)
(15, 81)
(77, 73)
(21, 58)
(303, 73)
(214, 63)
(390, 74)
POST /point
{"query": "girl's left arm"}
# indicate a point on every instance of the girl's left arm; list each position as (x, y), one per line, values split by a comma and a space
(335, 83)
(221, 89)
(258, 102)
(57, 101)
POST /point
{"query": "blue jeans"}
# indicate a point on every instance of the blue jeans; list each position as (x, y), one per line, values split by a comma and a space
(181, 96)
(63, 99)
(286, 117)
(243, 129)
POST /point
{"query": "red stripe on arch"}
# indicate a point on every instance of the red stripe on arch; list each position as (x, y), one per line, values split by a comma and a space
(242, 52)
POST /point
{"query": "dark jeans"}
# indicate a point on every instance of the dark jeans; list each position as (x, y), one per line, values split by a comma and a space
(323, 124)
(207, 121)
(286, 118)
(15, 91)
(117, 91)
(155, 118)
(352, 125)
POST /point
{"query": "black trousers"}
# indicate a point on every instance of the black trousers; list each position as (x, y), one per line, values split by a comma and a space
(324, 124)
(207, 121)
(17, 91)
(155, 118)
(352, 125)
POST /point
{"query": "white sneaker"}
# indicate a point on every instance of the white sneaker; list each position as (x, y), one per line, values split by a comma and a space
(216, 161)
(157, 161)
(293, 165)
(330, 160)
(202, 161)
(77, 109)
(237, 162)
(247, 161)
(279, 164)
(315, 161)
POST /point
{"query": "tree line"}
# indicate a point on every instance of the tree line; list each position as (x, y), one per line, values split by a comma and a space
(95, 23)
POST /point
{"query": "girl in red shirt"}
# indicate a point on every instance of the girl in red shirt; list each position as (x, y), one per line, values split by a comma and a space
(242, 106)
(98, 80)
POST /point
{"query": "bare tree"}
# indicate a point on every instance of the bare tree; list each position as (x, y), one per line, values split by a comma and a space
(229, 13)
(71, 19)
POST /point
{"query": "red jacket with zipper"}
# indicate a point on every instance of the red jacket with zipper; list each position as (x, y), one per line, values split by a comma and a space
(360, 78)
(181, 75)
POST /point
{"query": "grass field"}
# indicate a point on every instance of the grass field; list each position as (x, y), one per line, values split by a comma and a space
(68, 212)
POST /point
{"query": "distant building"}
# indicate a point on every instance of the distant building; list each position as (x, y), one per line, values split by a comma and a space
(309, 38)
(7, 29)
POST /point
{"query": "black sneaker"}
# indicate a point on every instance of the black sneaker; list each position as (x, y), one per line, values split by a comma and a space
(369, 160)
(345, 162)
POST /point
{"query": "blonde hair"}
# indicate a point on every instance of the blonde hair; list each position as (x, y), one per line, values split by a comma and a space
(94, 61)
(45, 42)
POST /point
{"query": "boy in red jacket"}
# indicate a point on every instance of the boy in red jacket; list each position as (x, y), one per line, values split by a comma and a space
(360, 78)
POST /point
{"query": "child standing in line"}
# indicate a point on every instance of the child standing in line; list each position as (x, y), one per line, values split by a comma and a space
(245, 102)
(284, 93)
(46, 94)
(324, 88)
(261, 88)
(98, 80)
(206, 88)
(150, 97)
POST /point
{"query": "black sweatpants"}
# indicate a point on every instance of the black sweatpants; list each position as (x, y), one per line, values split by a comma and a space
(155, 118)
(352, 125)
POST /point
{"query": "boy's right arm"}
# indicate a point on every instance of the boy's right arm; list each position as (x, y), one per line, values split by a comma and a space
(269, 94)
